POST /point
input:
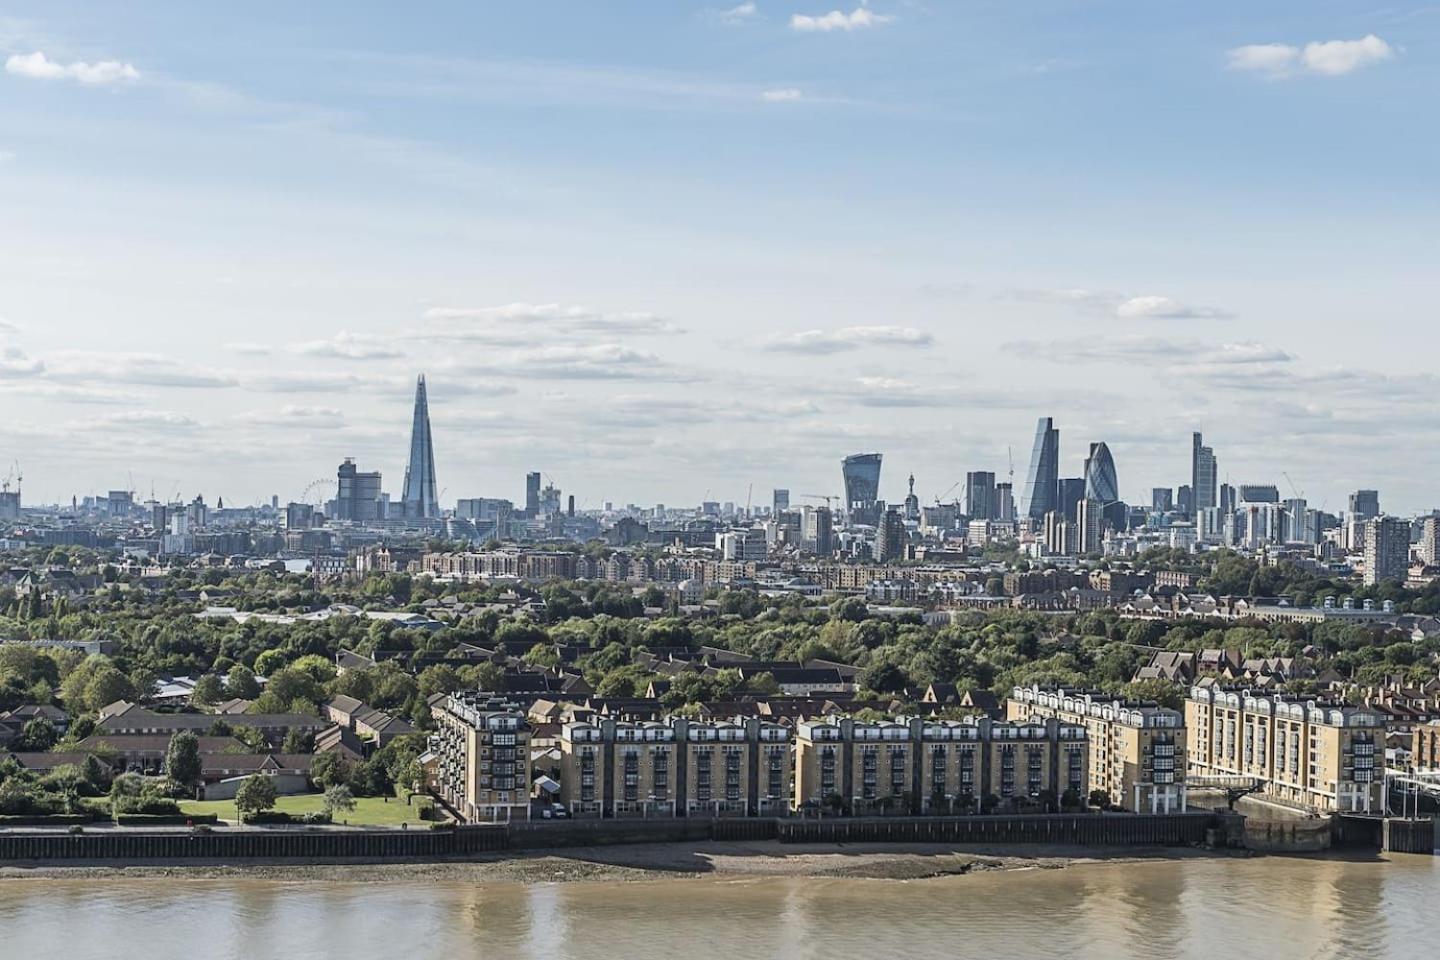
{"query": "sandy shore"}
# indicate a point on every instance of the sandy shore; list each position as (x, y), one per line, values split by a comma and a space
(652, 862)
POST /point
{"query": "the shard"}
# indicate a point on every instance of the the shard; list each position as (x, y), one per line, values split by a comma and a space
(420, 500)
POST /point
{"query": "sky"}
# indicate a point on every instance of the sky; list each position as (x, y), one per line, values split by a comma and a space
(666, 251)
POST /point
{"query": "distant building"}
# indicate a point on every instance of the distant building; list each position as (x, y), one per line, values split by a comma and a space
(1387, 550)
(980, 500)
(358, 495)
(1364, 504)
(1089, 526)
(780, 500)
(1069, 492)
(1204, 475)
(1101, 481)
(1430, 541)
(420, 499)
(1042, 481)
(1162, 500)
(532, 494)
(1005, 502)
(861, 473)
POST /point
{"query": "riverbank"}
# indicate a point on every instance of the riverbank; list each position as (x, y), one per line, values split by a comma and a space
(653, 861)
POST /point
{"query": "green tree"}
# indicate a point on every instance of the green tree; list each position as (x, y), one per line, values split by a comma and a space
(182, 758)
(208, 690)
(256, 795)
(338, 799)
(240, 682)
(329, 769)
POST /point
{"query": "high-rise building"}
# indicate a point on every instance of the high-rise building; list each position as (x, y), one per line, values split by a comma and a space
(1101, 482)
(1259, 493)
(1204, 475)
(890, 536)
(1041, 483)
(1364, 504)
(1185, 500)
(1089, 526)
(532, 494)
(861, 473)
(1430, 541)
(1059, 533)
(357, 496)
(1227, 498)
(980, 495)
(1387, 550)
(1162, 500)
(781, 500)
(1296, 522)
(1069, 492)
(912, 502)
(420, 499)
(819, 531)
(1004, 502)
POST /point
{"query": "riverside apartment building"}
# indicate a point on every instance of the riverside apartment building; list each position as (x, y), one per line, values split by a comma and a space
(676, 767)
(1313, 755)
(480, 757)
(919, 765)
(1137, 750)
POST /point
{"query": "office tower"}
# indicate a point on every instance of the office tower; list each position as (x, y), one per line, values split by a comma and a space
(780, 501)
(1364, 504)
(1204, 475)
(1089, 526)
(1069, 492)
(1185, 500)
(980, 495)
(1101, 482)
(890, 536)
(1058, 533)
(1430, 541)
(1041, 484)
(1387, 550)
(420, 499)
(1004, 502)
(298, 516)
(1296, 521)
(570, 507)
(1162, 500)
(532, 494)
(861, 473)
(819, 532)
(1227, 498)
(357, 495)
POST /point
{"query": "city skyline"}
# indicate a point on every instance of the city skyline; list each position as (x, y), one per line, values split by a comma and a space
(728, 252)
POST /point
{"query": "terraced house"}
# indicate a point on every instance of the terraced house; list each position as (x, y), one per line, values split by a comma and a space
(1315, 755)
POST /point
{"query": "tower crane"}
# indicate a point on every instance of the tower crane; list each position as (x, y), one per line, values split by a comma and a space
(947, 493)
(819, 496)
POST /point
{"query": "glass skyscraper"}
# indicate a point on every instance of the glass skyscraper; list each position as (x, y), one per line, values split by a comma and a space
(1042, 483)
(861, 473)
(420, 500)
(1101, 482)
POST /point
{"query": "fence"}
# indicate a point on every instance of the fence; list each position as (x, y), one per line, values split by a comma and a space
(1083, 830)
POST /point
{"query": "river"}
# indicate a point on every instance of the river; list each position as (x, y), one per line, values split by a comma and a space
(1236, 909)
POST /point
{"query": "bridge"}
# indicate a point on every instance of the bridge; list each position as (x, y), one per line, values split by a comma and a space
(1234, 787)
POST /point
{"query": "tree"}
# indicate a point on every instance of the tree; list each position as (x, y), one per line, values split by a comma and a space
(208, 690)
(329, 769)
(338, 799)
(38, 735)
(240, 682)
(182, 758)
(256, 795)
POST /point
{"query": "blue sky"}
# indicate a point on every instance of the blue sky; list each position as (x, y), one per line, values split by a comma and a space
(665, 249)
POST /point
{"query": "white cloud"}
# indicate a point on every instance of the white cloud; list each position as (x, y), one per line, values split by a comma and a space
(782, 95)
(137, 369)
(1164, 308)
(857, 19)
(350, 346)
(1334, 58)
(1172, 353)
(249, 349)
(157, 419)
(521, 324)
(739, 13)
(848, 338)
(601, 361)
(37, 66)
(14, 362)
(291, 415)
(1331, 58)
(1272, 58)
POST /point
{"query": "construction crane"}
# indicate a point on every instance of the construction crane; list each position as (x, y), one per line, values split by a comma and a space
(819, 496)
(1010, 452)
(947, 493)
(749, 493)
(12, 477)
(1299, 494)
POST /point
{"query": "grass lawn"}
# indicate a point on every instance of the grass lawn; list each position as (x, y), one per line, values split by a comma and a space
(369, 811)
